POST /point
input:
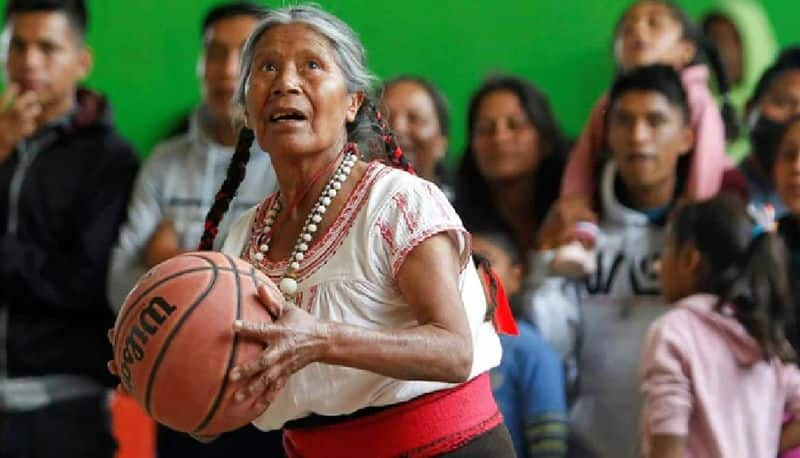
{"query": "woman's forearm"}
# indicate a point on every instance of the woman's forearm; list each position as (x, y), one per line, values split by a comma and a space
(426, 352)
(667, 446)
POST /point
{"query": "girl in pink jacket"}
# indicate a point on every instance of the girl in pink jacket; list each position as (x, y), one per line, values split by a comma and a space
(717, 371)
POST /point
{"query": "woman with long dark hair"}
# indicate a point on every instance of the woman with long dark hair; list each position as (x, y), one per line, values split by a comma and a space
(511, 169)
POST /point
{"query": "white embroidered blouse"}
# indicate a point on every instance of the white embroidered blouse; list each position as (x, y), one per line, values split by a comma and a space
(349, 275)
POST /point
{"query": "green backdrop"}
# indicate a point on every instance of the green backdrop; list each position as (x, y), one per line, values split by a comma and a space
(146, 50)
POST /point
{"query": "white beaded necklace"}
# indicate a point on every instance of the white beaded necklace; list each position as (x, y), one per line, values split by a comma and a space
(288, 282)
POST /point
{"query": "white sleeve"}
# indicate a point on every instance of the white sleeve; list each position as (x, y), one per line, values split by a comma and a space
(411, 213)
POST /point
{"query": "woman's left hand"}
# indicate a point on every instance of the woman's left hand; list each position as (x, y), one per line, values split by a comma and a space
(295, 340)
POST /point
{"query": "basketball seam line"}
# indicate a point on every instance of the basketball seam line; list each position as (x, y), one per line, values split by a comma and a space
(232, 357)
(173, 333)
(124, 315)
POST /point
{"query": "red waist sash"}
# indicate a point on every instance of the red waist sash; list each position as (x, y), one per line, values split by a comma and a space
(429, 425)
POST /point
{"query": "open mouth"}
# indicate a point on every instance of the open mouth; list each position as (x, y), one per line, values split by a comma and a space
(287, 116)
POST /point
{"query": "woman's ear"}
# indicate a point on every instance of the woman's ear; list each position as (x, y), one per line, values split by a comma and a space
(690, 259)
(355, 99)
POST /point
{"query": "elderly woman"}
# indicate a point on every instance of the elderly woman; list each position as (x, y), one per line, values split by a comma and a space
(380, 346)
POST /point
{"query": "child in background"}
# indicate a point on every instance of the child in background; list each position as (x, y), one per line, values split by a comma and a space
(717, 371)
(529, 382)
(786, 176)
(744, 36)
(650, 32)
(775, 100)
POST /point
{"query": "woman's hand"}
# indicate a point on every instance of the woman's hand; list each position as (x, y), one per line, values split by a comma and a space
(294, 340)
(112, 366)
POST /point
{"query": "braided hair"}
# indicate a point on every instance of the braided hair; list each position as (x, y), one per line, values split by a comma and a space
(237, 169)
(382, 141)
(369, 129)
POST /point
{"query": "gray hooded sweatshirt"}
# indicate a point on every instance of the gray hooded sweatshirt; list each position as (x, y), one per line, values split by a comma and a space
(598, 325)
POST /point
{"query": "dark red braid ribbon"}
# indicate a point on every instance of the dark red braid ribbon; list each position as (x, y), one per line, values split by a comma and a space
(394, 152)
(503, 317)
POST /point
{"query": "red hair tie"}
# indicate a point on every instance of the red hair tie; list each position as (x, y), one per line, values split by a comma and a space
(503, 317)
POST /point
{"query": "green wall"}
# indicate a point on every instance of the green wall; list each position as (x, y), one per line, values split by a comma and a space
(146, 50)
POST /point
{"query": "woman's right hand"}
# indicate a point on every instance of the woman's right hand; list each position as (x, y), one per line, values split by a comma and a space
(557, 227)
(112, 365)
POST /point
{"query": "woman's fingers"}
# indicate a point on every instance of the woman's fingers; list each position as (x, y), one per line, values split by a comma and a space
(112, 367)
(260, 330)
(273, 365)
(258, 385)
(251, 368)
(272, 299)
(264, 401)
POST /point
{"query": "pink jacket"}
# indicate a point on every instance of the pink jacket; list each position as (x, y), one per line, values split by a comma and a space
(708, 160)
(703, 377)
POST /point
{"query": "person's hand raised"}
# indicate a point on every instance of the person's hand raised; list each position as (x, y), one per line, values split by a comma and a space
(18, 113)
(163, 244)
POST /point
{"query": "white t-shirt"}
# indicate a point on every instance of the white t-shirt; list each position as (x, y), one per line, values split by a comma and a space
(349, 275)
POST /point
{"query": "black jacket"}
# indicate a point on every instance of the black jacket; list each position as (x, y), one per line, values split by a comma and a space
(71, 180)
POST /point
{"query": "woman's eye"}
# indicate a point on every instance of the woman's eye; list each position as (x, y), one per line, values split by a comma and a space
(517, 124)
(313, 65)
(269, 67)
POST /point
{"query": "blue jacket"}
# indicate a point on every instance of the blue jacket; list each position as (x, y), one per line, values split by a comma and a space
(529, 388)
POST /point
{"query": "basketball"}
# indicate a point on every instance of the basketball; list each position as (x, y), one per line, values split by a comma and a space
(174, 342)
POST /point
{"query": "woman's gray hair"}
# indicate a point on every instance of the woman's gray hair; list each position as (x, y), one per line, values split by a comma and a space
(350, 54)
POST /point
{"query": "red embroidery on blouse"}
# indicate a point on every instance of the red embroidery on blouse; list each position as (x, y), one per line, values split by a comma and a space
(325, 245)
(388, 234)
(411, 218)
(312, 295)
